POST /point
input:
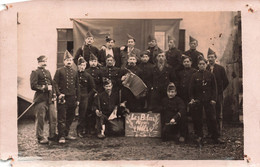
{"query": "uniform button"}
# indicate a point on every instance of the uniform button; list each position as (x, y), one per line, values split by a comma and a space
(203, 91)
(109, 74)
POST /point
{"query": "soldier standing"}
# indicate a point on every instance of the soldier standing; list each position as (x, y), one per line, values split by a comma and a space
(87, 86)
(193, 53)
(173, 55)
(68, 92)
(222, 83)
(203, 93)
(86, 49)
(41, 81)
(153, 48)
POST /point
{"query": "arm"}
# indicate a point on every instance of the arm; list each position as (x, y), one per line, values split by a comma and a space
(91, 84)
(78, 53)
(56, 82)
(214, 88)
(77, 87)
(191, 87)
(34, 83)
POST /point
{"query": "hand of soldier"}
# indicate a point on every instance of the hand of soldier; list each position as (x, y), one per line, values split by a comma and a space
(98, 113)
(192, 101)
(149, 112)
(49, 87)
(123, 104)
(77, 103)
(61, 96)
(122, 47)
(172, 121)
(123, 78)
(213, 102)
(103, 47)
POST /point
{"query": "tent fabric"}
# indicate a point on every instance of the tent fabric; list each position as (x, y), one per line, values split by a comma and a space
(119, 28)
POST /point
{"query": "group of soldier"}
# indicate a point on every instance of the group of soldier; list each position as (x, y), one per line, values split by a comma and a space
(177, 85)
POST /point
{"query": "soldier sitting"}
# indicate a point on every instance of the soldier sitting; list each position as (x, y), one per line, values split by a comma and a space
(173, 115)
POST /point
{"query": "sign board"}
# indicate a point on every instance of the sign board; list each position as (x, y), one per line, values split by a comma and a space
(143, 125)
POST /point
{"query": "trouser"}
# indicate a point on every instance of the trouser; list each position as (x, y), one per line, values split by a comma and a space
(156, 97)
(197, 117)
(83, 105)
(102, 120)
(133, 104)
(219, 114)
(66, 114)
(41, 109)
(90, 115)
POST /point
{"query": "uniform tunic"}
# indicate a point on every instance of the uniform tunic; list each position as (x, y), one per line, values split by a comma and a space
(125, 54)
(116, 55)
(173, 57)
(154, 51)
(95, 72)
(194, 55)
(114, 74)
(87, 49)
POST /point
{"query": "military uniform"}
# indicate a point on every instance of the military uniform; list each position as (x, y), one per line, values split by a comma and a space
(87, 86)
(95, 72)
(114, 74)
(173, 57)
(85, 52)
(125, 54)
(116, 55)
(183, 83)
(133, 104)
(194, 55)
(66, 82)
(160, 81)
(39, 80)
(222, 83)
(204, 89)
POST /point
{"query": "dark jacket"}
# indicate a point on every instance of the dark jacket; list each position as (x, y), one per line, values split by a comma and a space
(203, 86)
(124, 56)
(183, 82)
(146, 73)
(95, 72)
(194, 55)
(153, 53)
(39, 80)
(106, 103)
(116, 52)
(86, 83)
(173, 57)
(85, 52)
(221, 77)
(66, 82)
(114, 74)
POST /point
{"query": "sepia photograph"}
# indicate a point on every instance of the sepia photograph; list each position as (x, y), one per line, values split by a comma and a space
(127, 86)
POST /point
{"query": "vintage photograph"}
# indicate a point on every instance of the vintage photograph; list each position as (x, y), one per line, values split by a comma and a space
(130, 88)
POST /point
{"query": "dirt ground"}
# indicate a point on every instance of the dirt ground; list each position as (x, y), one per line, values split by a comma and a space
(128, 148)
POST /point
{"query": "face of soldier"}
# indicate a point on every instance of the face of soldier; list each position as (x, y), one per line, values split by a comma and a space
(131, 43)
(110, 62)
(68, 62)
(202, 65)
(131, 61)
(193, 44)
(93, 63)
(82, 66)
(171, 44)
(108, 87)
(171, 93)
(145, 58)
(43, 63)
(161, 57)
(89, 40)
(211, 59)
(110, 44)
(187, 63)
(152, 43)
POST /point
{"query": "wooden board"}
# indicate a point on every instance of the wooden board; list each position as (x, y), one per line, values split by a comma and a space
(143, 125)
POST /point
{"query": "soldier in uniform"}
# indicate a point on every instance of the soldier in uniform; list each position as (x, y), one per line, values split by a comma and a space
(193, 53)
(173, 55)
(68, 91)
(153, 48)
(203, 93)
(162, 75)
(128, 50)
(95, 72)
(41, 82)
(110, 49)
(132, 102)
(105, 103)
(87, 86)
(222, 83)
(112, 73)
(86, 49)
(146, 75)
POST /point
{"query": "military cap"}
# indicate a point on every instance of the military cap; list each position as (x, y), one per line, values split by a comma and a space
(130, 37)
(109, 55)
(170, 38)
(210, 52)
(108, 39)
(106, 81)
(67, 55)
(150, 38)
(81, 60)
(89, 34)
(171, 86)
(146, 52)
(202, 58)
(92, 57)
(192, 39)
(41, 58)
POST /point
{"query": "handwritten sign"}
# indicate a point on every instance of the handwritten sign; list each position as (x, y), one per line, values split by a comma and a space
(143, 125)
